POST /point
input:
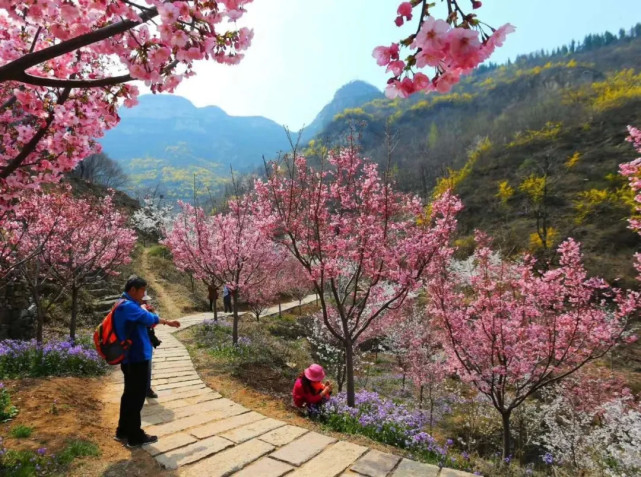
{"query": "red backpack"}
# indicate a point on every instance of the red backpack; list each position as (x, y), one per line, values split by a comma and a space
(106, 341)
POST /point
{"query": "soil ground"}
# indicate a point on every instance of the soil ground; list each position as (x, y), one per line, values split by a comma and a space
(60, 409)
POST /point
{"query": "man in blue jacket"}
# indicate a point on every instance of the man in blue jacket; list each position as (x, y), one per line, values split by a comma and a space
(131, 321)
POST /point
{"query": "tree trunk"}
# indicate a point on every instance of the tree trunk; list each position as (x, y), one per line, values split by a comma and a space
(280, 312)
(349, 371)
(74, 313)
(215, 309)
(39, 315)
(234, 298)
(431, 408)
(505, 415)
(403, 388)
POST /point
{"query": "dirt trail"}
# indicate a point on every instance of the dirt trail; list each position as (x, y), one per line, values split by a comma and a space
(167, 308)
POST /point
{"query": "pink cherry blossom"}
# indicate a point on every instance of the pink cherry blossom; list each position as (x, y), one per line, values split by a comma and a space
(357, 238)
(57, 104)
(384, 54)
(226, 248)
(56, 237)
(512, 329)
(453, 47)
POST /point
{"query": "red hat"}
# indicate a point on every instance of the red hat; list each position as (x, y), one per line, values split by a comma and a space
(315, 373)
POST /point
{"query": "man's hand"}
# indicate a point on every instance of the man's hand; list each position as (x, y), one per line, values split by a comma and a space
(173, 324)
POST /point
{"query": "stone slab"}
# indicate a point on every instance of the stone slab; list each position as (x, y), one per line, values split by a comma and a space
(190, 421)
(173, 365)
(454, 473)
(223, 425)
(265, 467)
(375, 464)
(192, 452)
(167, 392)
(168, 374)
(228, 461)
(158, 418)
(169, 443)
(221, 404)
(174, 379)
(303, 448)
(181, 384)
(183, 394)
(410, 468)
(332, 461)
(249, 431)
(155, 408)
(283, 435)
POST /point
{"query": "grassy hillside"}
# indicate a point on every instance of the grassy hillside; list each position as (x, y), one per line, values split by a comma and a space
(532, 148)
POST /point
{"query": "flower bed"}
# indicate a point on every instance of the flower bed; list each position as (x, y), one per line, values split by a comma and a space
(56, 358)
(385, 421)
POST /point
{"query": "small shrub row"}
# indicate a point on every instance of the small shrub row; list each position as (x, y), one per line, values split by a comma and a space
(26, 463)
(385, 421)
(255, 348)
(20, 359)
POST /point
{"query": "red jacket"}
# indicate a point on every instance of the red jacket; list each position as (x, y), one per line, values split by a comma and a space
(302, 396)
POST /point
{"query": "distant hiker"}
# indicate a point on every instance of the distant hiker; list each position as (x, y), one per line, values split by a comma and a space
(227, 299)
(131, 321)
(155, 342)
(309, 389)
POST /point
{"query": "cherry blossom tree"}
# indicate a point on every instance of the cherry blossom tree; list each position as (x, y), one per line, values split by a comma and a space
(295, 280)
(512, 330)
(91, 237)
(409, 334)
(452, 47)
(64, 69)
(228, 248)
(359, 240)
(259, 298)
(34, 221)
(632, 171)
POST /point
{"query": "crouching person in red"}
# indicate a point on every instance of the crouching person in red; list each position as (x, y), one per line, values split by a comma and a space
(309, 390)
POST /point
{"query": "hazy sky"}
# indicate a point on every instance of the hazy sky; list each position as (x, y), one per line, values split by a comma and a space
(304, 50)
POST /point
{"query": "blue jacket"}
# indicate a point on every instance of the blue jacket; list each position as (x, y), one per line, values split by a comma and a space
(130, 319)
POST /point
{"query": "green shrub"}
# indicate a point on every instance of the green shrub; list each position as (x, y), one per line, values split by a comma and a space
(28, 463)
(159, 251)
(77, 448)
(21, 431)
(7, 410)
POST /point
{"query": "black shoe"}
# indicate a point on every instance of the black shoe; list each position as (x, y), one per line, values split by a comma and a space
(144, 439)
(120, 437)
(152, 394)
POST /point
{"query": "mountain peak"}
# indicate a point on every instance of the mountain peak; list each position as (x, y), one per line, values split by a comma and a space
(355, 89)
(351, 95)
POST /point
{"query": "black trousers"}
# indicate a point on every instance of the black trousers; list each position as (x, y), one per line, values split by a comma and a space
(227, 303)
(133, 398)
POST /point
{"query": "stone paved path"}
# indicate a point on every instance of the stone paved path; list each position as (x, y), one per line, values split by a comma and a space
(202, 434)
